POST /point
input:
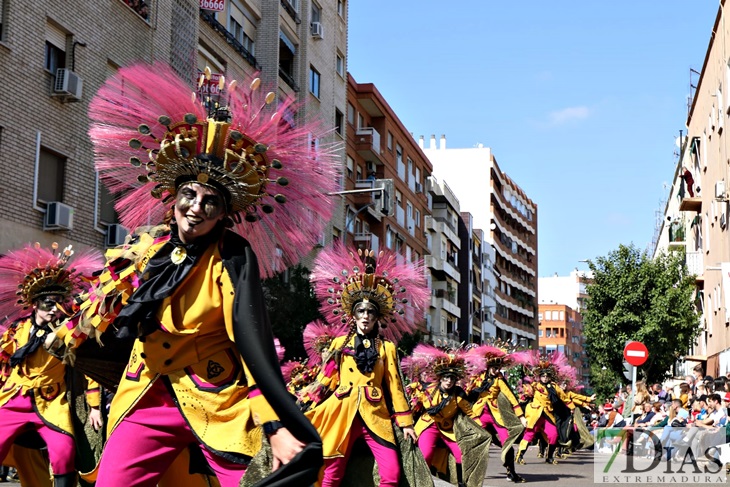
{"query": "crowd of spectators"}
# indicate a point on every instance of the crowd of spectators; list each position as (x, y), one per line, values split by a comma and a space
(671, 419)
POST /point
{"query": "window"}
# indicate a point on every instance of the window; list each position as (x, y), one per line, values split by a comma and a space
(341, 8)
(340, 64)
(242, 25)
(51, 170)
(360, 121)
(562, 316)
(398, 197)
(55, 49)
(313, 81)
(418, 218)
(359, 173)
(287, 51)
(316, 13)
(107, 213)
(339, 122)
(539, 333)
(390, 142)
(350, 166)
(350, 114)
(3, 15)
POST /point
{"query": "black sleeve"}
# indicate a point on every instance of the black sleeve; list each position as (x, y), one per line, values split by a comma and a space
(255, 342)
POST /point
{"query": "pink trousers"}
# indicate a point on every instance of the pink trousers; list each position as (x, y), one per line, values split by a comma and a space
(427, 443)
(386, 458)
(487, 419)
(18, 416)
(146, 442)
(544, 425)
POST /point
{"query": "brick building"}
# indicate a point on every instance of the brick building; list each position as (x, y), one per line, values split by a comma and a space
(61, 52)
(561, 329)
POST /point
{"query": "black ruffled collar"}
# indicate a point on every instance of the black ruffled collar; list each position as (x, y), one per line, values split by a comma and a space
(366, 356)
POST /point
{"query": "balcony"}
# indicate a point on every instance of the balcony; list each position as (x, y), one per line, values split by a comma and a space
(687, 199)
(289, 79)
(209, 19)
(695, 265)
(438, 264)
(289, 8)
(676, 235)
(369, 198)
(446, 305)
(364, 237)
(367, 144)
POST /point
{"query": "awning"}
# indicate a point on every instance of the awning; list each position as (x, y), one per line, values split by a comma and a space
(287, 42)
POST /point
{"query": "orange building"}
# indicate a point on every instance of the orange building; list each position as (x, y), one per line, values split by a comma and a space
(561, 329)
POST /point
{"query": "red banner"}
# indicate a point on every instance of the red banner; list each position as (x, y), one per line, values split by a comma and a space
(214, 5)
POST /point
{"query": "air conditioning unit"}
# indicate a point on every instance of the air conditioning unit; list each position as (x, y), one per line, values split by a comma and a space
(720, 189)
(58, 216)
(316, 29)
(115, 235)
(68, 84)
(419, 188)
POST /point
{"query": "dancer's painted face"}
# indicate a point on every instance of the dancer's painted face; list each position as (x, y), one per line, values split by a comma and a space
(47, 309)
(366, 316)
(197, 210)
(447, 382)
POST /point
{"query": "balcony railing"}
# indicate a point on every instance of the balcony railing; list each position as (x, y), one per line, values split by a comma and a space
(288, 79)
(290, 10)
(209, 19)
(695, 263)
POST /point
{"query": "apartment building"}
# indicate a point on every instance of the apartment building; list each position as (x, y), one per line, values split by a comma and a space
(61, 52)
(382, 154)
(444, 243)
(561, 330)
(509, 219)
(471, 288)
(696, 214)
(569, 290)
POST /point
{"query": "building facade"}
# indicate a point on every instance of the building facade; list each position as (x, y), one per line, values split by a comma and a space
(561, 330)
(696, 214)
(63, 51)
(568, 290)
(442, 227)
(509, 218)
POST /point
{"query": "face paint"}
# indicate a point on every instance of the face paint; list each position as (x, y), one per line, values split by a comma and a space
(209, 201)
(363, 310)
(48, 303)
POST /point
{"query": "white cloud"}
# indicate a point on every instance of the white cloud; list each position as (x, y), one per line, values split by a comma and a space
(565, 115)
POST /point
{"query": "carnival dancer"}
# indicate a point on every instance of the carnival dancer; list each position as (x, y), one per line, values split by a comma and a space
(203, 370)
(547, 395)
(495, 405)
(36, 284)
(378, 299)
(443, 401)
(578, 435)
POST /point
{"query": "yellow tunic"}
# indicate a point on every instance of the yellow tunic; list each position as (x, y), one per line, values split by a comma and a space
(358, 393)
(579, 399)
(194, 348)
(41, 375)
(541, 403)
(488, 397)
(432, 397)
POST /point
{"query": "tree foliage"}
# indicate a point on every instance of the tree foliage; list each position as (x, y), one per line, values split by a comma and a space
(634, 297)
(291, 305)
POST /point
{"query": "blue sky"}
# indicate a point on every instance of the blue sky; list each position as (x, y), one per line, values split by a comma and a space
(580, 101)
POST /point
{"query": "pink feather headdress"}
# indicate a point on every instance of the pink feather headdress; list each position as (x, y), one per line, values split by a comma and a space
(437, 362)
(33, 272)
(151, 135)
(318, 336)
(342, 279)
(555, 364)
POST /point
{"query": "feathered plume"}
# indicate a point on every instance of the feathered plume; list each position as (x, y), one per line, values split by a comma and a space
(341, 278)
(33, 271)
(143, 106)
(317, 338)
(280, 350)
(436, 362)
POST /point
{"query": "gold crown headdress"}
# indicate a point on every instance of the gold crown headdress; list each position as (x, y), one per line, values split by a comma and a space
(397, 288)
(151, 137)
(33, 272)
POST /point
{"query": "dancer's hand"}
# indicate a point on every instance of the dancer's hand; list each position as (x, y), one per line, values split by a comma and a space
(95, 419)
(410, 433)
(284, 447)
(523, 420)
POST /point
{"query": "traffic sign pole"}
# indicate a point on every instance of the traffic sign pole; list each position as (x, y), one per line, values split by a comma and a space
(633, 392)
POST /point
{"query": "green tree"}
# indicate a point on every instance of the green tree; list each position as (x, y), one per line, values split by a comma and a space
(291, 305)
(635, 297)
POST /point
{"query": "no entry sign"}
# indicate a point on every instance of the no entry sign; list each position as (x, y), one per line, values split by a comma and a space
(636, 353)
